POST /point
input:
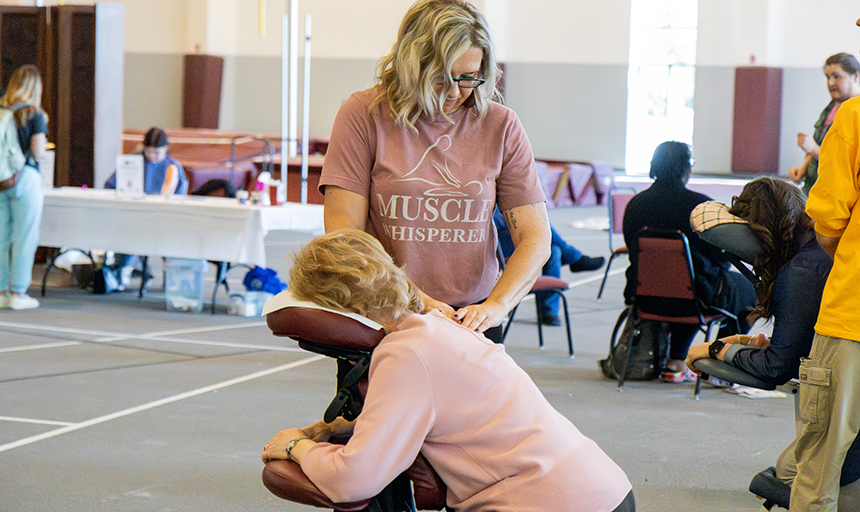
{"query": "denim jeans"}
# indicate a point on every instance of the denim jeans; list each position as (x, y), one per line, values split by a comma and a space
(20, 218)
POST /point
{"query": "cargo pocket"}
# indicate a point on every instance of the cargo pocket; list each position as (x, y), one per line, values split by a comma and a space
(814, 392)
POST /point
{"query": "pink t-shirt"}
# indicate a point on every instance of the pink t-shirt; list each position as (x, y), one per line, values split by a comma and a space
(441, 389)
(431, 194)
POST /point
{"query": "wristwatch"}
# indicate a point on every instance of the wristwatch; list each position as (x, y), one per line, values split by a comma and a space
(292, 444)
(715, 348)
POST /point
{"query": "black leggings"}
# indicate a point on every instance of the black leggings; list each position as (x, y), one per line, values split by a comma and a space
(628, 505)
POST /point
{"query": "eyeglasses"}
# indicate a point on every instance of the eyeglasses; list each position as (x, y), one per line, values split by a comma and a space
(466, 83)
(469, 83)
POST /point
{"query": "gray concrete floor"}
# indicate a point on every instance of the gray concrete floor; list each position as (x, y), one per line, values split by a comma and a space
(110, 403)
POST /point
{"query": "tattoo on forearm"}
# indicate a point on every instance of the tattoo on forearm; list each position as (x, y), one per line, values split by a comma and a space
(511, 220)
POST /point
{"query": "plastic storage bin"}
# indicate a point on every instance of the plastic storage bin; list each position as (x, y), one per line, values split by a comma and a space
(248, 303)
(183, 284)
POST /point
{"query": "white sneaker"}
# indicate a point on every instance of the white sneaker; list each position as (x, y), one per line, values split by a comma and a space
(124, 278)
(23, 301)
(4, 301)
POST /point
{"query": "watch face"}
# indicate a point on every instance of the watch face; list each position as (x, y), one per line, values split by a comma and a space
(715, 348)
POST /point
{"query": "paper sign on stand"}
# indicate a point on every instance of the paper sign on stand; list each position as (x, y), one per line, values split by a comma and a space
(129, 176)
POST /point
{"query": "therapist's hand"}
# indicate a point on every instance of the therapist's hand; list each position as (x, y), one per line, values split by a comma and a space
(431, 304)
(480, 317)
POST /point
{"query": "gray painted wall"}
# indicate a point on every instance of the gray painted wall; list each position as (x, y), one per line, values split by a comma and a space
(804, 96)
(570, 111)
(712, 121)
(250, 95)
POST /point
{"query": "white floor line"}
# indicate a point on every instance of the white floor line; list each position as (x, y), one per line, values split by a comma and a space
(146, 337)
(38, 347)
(103, 337)
(156, 403)
(37, 422)
(574, 284)
(595, 277)
(210, 328)
(70, 330)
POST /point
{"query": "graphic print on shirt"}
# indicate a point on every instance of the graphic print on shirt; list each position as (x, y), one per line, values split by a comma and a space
(442, 209)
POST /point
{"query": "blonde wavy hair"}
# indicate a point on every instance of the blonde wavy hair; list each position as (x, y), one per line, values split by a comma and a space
(432, 35)
(349, 270)
(25, 86)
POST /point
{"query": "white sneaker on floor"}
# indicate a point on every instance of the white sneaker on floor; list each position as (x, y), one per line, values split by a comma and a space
(23, 301)
(4, 301)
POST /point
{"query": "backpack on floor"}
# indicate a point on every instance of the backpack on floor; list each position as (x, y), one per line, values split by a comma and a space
(12, 159)
(648, 344)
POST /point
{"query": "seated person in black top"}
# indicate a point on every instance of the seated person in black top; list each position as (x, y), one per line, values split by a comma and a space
(667, 204)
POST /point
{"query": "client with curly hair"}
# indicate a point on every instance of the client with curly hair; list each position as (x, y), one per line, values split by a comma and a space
(499, 446)
(792, 270)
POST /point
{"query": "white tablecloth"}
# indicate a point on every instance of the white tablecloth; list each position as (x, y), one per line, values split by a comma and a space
(193, 227)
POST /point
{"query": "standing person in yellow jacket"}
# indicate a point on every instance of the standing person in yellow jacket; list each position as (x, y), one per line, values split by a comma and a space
(830, 376)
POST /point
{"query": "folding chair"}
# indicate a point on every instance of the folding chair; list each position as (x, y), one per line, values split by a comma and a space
(550, 285)
(665, 288)
(547, 285)
(618, 198)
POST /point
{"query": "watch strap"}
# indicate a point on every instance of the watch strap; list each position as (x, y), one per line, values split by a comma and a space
(715, 348)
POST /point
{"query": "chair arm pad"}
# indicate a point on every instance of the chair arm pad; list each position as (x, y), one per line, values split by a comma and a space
(725, 371)
(429, 490)
(285, 479)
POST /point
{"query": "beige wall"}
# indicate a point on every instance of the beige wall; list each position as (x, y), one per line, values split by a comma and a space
(566, 63)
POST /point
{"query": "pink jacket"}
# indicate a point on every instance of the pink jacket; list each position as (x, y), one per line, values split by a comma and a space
(438, 388)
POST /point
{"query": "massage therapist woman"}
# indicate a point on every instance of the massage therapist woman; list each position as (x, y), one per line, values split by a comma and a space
(420, 160)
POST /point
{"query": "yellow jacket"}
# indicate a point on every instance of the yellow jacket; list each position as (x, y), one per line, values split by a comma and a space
(831, 204)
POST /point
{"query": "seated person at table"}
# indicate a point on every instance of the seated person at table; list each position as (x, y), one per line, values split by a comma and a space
(500, 446)
(161, 175)
(561, 253)
(792, 270)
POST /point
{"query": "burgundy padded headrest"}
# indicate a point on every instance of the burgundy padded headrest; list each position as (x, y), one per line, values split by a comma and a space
(323, 327)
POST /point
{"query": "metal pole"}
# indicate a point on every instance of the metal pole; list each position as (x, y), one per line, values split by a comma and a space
(294, 75)
(285, 105)
(306, 106)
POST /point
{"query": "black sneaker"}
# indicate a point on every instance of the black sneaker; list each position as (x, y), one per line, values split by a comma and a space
(587, 263)
(551, 320)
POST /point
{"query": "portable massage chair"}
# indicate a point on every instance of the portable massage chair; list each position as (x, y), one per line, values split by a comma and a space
(349, 338)
(733, 235)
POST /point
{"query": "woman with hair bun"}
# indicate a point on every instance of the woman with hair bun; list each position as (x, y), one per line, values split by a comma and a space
(420, 161)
